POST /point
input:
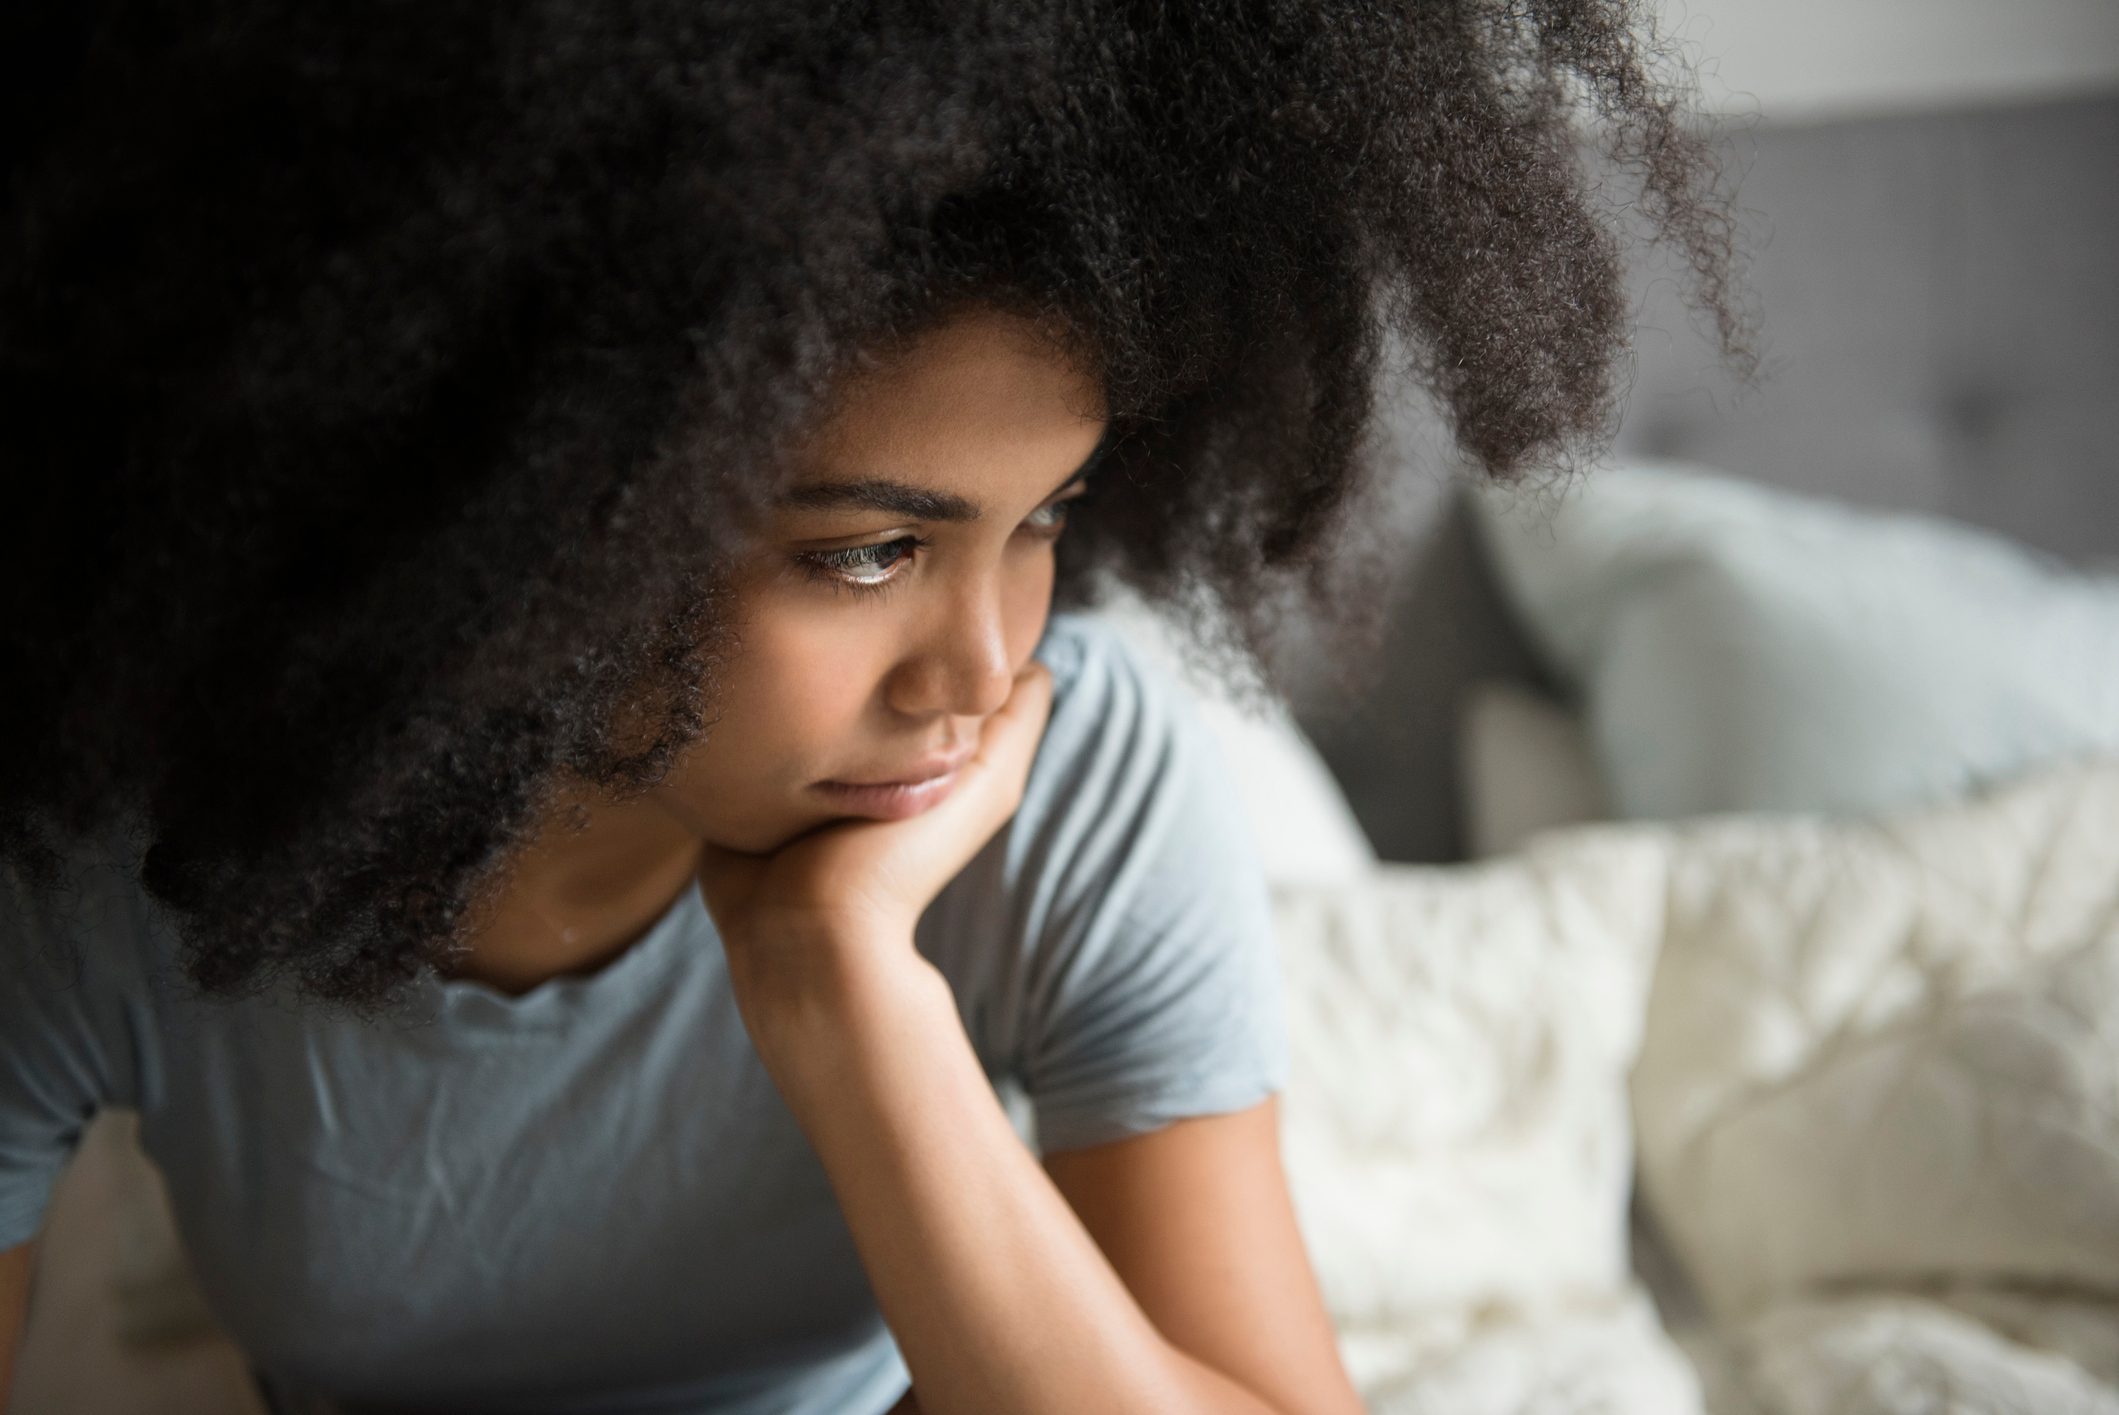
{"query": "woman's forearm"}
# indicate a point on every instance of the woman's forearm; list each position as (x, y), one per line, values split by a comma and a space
(998, 1297)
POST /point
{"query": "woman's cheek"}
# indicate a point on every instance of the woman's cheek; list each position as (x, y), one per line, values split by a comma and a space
(817, 678)
(780, 687)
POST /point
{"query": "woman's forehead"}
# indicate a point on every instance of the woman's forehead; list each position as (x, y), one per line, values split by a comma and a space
(947, 410)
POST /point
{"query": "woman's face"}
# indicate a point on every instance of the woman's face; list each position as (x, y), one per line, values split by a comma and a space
(884, 613)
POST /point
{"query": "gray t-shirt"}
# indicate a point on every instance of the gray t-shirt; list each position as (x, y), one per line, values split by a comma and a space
(590, 1196)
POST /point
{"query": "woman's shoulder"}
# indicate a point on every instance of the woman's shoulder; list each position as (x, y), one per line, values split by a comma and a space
(76, 972)
(1118, 721)
(1139, 987)
(1104, 677)
(1079, 641)
(1126, 753)
(88, 924)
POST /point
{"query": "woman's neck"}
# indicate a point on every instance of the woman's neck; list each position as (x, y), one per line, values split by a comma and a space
(575, 899)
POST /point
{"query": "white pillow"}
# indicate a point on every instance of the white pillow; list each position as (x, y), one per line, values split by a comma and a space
(1455, 1126)
(1881, 1060)
(1741, 648)
(1304, 828)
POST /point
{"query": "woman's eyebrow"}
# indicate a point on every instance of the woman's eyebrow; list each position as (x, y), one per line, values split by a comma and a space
(915, 503)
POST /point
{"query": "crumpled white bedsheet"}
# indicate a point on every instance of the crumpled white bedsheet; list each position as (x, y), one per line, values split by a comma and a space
(1455, 1129)
(1876, 1103)
(1877, 1100)
(1894, 1355)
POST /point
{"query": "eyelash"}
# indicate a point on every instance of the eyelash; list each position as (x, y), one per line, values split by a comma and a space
(828, 566)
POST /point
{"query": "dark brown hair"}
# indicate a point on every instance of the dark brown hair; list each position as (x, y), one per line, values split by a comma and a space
(384, 384)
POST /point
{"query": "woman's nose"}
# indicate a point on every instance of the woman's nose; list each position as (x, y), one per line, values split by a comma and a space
(960, 666)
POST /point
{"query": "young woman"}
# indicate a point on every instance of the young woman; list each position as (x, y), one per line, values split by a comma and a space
(558, 766)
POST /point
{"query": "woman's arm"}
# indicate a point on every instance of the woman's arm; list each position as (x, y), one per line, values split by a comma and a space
(998, 1296)
(14, 1309)
(1197, 1219)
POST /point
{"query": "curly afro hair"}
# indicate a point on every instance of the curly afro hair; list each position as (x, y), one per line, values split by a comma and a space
(385, 384)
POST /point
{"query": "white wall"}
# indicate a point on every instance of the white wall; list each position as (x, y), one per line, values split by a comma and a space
(1806, 59)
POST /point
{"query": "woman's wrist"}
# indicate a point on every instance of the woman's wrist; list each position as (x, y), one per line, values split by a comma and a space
(815, 1004)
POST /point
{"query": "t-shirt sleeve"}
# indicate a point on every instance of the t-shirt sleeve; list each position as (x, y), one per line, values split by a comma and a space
(61, 1039)
(1154, 991)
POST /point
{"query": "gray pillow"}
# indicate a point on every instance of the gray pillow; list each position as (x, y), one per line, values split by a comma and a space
(1738, 648)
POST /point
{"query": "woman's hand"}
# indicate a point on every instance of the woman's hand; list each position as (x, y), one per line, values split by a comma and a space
(836, 907)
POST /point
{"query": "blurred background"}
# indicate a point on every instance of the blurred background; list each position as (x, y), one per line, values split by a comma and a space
(1703, 932)
(1811, 61)
(1928, 207)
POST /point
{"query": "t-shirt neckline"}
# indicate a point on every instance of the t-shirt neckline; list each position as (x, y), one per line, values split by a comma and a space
(558, 1002)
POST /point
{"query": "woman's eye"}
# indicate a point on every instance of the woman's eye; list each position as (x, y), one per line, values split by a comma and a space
(1049, 517)
(868, 569)
(864, 568)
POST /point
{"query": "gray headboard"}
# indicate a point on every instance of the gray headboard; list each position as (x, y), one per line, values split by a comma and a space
(1939, 318)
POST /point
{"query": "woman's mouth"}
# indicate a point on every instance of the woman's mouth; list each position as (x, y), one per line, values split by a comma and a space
(895, 801)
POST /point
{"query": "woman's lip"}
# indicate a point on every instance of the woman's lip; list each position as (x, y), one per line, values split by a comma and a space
(893, 801)
(914, 775)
